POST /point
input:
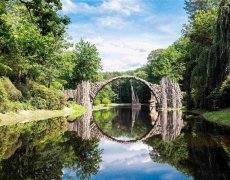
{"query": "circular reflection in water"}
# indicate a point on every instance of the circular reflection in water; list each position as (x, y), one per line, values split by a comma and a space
(124, 123)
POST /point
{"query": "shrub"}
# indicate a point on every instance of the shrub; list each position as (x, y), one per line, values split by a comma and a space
(3, 93)
(225, 92)
(106, 101)
(45, 98)
(10, 106)
(96, 102)
(13, 93)
(220, 97)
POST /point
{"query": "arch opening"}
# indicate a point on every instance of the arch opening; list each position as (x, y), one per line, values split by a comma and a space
(146, 84)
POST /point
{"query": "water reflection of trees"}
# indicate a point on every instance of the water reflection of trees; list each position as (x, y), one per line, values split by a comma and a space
(200, 150)
(41, 150)
(128, 122)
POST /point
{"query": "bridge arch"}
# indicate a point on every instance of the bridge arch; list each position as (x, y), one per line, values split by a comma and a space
(97, 87)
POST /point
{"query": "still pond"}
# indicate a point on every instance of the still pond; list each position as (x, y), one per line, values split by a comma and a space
(117, 143)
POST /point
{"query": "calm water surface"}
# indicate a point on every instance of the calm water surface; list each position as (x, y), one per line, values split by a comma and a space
(120, 143)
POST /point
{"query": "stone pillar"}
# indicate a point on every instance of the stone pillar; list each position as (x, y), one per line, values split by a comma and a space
(171, 94)
(83, 94)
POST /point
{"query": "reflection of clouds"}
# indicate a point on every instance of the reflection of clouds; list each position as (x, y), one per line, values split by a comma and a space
(128, 161)
(138, 146)
(129, 154)
(144, 158)
(127, 157)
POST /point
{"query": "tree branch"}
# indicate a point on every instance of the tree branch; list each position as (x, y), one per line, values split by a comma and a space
(28, 9)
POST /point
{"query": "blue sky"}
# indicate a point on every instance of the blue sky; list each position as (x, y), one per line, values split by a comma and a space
(125, 31)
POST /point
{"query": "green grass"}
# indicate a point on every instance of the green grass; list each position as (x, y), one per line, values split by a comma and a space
(108, 106)
(74, 110)
(77, 111)
(221, 117)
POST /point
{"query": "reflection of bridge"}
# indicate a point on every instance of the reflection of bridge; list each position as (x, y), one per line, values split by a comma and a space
(168, 124)
(167, 94)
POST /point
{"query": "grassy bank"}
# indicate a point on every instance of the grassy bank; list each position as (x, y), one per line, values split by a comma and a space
(221, 117)
(77, 111)
(108, 106)
(73, 110)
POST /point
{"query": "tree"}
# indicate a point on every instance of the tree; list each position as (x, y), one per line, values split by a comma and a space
(192, 6)
(168, 62)
(87, 62)
(44, 14)
(29, 54)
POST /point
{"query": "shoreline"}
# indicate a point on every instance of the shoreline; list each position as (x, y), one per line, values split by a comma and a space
(221, 117)
(37, 115)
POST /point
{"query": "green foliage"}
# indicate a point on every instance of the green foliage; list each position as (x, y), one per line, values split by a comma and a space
(167, 62)
(107, 92)
(12, 92)
(174, 152)
(220, 96)
(3, 93)
(192, 6)
(220, 117)
(86, 62)
(55, 149)
(96, 102)
(44, 14)
(225, 89)
(78, 111)
(45, 98)
(10, 106)
(33, 50)
(9, 96)
(106, 101)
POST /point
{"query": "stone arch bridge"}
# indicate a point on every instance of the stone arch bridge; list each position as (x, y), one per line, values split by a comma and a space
(167, 94)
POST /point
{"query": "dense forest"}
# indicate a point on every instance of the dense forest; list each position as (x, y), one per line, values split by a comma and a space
(36, 60)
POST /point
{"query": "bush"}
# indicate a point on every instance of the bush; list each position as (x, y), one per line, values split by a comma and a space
(225, 92)
(3, 93)
(13, 93)
(106, 101)
(96, 102)
(10, 106)
(220, 97)
(9, 96)
(45, 98)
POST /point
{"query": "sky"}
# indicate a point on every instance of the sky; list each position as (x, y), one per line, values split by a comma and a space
(125, 31)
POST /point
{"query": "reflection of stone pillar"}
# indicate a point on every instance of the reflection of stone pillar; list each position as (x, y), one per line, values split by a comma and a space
(81, 125)
(171, 123)
(154, 115)
(152, 103)
(83, 94)
(135, 113)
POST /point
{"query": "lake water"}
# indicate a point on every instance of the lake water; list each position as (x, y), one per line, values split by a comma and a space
(119, 143)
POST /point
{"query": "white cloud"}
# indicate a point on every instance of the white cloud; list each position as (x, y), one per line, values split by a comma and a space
(120, 53)
(112, 21)
(95, 40)
(119, 6)
(68, 6)
(124, 39)
(126, 7)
